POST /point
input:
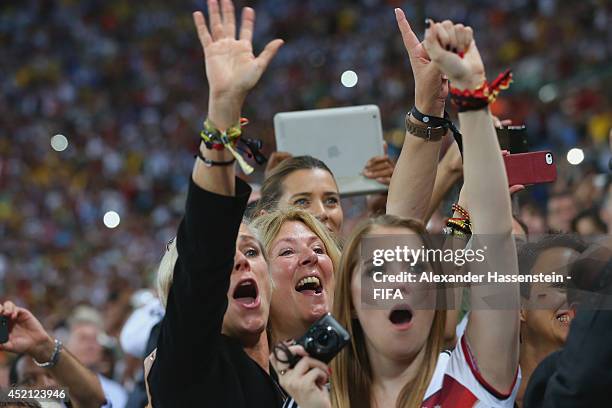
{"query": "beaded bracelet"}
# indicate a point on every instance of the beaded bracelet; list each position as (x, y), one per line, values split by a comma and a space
(460, 223)
(461, 210)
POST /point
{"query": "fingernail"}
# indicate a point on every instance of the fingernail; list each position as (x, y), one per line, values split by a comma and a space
(427, 23)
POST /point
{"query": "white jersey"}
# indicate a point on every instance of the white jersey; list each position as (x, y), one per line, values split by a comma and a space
(457, 383)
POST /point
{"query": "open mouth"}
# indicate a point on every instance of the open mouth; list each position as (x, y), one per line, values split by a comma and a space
(401, 317)
(310, 285)
(563, 318)
(246, 293)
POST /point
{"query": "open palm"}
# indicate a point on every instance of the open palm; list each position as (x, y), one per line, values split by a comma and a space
(231, 66)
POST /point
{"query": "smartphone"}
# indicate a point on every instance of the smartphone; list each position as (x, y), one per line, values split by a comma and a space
(323, 340)
(530, 168)
(4, 332)
(513, 139)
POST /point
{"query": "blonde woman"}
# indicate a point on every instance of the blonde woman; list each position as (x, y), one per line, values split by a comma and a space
(302, 257)
(212, 347)
(395, 359)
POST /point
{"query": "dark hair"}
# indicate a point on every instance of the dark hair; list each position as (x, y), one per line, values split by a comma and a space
(21, 403)
(272, 187)
(594, 216)
(529, 253)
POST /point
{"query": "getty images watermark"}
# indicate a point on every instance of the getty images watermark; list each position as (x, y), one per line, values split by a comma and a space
(436, 272)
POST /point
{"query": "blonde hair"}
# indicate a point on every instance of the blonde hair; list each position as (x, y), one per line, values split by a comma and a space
(269, 224)
(351, 371)
(165, 271)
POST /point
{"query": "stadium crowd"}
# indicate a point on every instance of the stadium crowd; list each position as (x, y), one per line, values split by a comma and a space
(124, 82)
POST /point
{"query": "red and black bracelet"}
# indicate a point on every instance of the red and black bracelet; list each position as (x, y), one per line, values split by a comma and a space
(481, 97)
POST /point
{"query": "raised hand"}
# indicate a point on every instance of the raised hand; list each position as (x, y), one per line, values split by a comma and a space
(431, 87)
(26, 334)
(380, 168)
(231, 66)
(453, 50)
(274, 160)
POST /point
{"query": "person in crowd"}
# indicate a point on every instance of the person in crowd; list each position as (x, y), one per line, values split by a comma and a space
(394, 357)
(307, 183)
(304, 182)
(533, 216)
(545, 313)
(302, 257)
(579, 374)
(588, 223)
(561, 210)
(212, 346)
(86, 339)
(42, 362)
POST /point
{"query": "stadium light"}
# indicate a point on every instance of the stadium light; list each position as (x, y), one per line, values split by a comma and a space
(575, 156)
(59, 143)
(349, 78)
(111, 219)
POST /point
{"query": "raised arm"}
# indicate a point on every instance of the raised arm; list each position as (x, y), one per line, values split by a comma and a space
(27, 336)
(492, 332)
(206, 240)
(413, 178)
(232, 71)
(449, 171)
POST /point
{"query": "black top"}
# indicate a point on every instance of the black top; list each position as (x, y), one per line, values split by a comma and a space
(579, 375)
(195, 365)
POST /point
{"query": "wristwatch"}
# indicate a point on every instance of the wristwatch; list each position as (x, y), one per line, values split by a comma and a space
(428, 133)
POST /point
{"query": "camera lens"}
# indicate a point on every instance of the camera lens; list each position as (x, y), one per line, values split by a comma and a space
(324, 340)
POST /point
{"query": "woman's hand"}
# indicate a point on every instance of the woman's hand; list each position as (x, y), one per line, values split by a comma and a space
(431, 88)
(26, 334)
(453, 50)
(380, 168)
(232, 69)
(306, 381)
(274, 160)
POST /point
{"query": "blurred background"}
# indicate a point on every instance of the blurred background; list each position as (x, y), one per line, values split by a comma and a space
(102, 101)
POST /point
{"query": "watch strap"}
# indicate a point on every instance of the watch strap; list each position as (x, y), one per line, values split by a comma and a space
(428, 133)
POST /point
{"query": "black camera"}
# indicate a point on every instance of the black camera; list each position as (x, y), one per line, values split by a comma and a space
(4, 332)
(323, 340)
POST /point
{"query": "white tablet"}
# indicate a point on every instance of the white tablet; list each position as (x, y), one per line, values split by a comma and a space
(344, 138)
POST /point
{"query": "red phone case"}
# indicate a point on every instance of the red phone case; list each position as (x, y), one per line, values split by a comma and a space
(530, 168)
